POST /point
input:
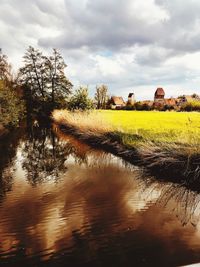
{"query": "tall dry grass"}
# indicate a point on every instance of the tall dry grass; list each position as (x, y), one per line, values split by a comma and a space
(85, 121)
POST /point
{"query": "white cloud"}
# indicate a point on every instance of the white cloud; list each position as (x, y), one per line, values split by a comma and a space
(148, 11)
(130, 45)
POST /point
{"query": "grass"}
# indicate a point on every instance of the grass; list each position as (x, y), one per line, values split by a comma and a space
(166, 143)
(156, 127)
(137, 127)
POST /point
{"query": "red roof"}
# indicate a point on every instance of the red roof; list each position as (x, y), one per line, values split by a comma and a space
(117, 100)
(159, 92)
(170, 101)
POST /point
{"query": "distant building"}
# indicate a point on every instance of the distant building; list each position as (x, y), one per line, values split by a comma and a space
(159, 96)
(117, 102)
(131, 99)
(187, 98)
(171, 102)
(159, 103)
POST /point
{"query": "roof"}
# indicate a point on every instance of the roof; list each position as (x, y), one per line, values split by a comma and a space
(160, 92)
(130, 94)
(171, 101)
(117, 100)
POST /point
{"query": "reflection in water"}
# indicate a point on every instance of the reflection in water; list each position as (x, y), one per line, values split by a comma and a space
(73, 206)
(8, 147)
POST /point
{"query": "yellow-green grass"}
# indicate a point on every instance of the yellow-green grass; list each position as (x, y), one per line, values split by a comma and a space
(152, 126)
(169, 130)
(166, 143)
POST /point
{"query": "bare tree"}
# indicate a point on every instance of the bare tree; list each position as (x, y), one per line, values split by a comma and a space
(101, 96)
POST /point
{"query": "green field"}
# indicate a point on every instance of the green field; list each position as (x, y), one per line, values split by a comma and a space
(167, 143)
(169, 130)
(152, 126)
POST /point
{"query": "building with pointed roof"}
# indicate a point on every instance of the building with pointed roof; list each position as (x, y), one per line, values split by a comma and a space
(117, 102)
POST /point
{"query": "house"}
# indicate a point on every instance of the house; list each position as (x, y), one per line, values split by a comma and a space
(171, 102)
(117, 102)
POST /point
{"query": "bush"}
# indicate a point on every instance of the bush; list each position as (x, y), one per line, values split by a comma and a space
(167, 107)
(80, 100)
(191, 106)
(142, 106)
(129, 107)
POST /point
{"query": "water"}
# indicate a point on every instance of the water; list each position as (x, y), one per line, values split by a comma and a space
(64, 204)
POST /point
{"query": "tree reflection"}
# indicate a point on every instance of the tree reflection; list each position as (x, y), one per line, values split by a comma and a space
(45, 155)
(8, 147)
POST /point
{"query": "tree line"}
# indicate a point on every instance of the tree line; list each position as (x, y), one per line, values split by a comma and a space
(40, 86)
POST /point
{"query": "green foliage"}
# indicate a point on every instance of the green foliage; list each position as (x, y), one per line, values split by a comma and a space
(5, 68)
(167, 107)
(130, 107)
(80, 100)
(44, 79)
(11, 107)
(101, 96)
(142, 106)
(191, 106)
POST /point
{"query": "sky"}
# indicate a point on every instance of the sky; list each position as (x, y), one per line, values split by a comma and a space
(129, 45)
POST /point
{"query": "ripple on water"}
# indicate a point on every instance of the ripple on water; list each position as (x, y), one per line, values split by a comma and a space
(82, 207)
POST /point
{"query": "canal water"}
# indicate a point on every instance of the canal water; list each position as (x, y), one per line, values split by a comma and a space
(65, 204)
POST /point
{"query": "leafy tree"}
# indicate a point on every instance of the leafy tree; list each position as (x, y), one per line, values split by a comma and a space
(5, 67)
(101, 96)
(195, 96)
(80, 100)
(32, 75)
(11, 106)
(43, 78)
(57, 83)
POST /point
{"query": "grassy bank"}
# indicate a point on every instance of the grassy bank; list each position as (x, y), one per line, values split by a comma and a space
(166, 143)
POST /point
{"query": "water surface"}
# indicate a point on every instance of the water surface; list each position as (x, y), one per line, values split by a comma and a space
(65, 204)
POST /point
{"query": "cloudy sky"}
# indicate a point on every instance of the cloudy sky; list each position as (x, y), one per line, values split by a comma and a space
(130, 45)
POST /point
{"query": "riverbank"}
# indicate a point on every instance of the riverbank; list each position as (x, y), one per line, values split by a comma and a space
(176, 161)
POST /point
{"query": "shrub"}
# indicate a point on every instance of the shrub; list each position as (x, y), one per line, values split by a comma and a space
(191, 106)
(80, 100)
(142, 106)
(168, 107)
